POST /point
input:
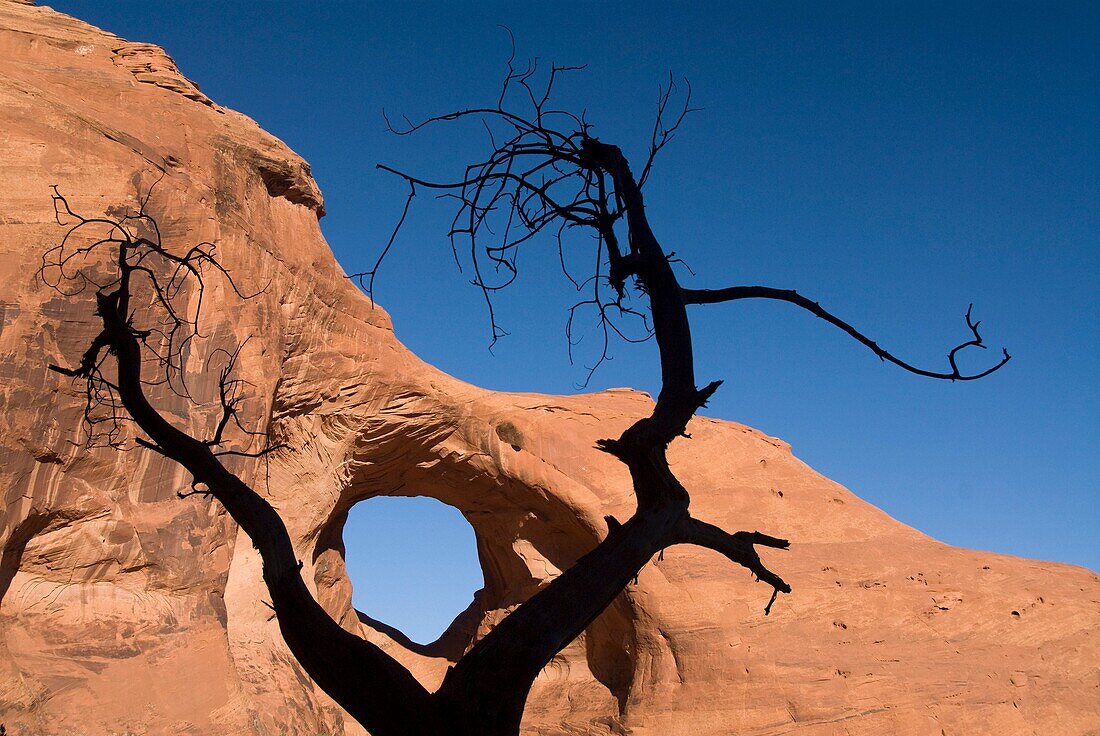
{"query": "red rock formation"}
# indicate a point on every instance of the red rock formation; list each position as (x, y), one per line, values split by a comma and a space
(124, 609)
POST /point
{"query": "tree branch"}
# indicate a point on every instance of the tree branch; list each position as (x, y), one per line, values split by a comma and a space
(372, 686)
(734, 293)
(739, 547)
(592, 186)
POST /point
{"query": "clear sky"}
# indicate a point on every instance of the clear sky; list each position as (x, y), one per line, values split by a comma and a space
(895, 161)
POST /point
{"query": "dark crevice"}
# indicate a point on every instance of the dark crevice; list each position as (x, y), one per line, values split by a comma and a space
(282, 180)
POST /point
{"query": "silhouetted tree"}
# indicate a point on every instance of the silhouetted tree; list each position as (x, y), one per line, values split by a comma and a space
(545, 173)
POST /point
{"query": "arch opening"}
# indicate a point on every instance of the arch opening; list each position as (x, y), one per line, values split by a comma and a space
(413, 564)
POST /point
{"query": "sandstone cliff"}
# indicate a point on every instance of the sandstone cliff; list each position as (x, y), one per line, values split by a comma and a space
(124, 609)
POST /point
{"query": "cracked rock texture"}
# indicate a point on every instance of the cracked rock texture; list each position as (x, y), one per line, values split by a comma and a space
(126, 610)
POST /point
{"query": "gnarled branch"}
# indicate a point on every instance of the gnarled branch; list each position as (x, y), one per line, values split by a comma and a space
(739, 547)
(734, 293)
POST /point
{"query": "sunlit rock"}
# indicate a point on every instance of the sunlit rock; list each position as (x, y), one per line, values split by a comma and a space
(126, 609)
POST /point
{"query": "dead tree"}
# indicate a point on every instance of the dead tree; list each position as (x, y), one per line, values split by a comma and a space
(545, 173)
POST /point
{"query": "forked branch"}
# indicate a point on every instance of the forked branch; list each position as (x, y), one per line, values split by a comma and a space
(540, 179)
(739, 547)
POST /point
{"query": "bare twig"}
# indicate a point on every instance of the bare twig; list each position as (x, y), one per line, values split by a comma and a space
(161, 291)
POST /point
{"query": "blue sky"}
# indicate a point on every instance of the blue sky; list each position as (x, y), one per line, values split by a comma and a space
(895, 161)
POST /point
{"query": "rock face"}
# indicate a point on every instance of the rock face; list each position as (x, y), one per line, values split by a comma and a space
(126, 610)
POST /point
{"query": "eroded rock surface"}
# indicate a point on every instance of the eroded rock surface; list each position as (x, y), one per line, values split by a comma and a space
(124, 609)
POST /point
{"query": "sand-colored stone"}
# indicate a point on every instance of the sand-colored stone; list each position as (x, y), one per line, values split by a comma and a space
(126, 610)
